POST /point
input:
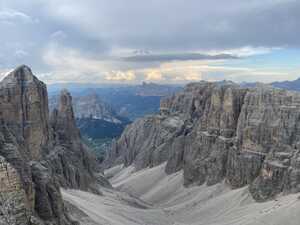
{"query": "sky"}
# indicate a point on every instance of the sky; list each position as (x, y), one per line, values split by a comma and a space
(161, 41)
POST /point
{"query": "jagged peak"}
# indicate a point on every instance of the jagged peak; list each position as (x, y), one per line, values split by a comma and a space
(260, 85)
(64, 119)
(65, 91)
(65, 97)
(216, 84)
(22, 68)
(65, 104)
(22, 71)
(20, 74)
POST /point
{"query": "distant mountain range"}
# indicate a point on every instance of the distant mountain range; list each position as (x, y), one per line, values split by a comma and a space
(149, 89)
(128, 101)
(103, 112)
(288, 85)
(293, 85)
(97, 121)
(91, 106)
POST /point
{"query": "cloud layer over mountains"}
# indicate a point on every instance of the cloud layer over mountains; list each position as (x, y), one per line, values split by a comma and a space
(86, 40)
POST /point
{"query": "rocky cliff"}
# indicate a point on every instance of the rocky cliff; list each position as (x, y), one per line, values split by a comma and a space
(221, 132)
(74, 165)
(90, 106)
(39, 155)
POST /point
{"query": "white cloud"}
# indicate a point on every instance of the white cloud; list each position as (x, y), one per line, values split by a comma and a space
(191, 71)
(193, 76)
(58, 35)
(70, 65)
(60, 57)
(245, 51)
(120, 76)
(20, 54)
(154, 75)
(89, 30)
(13, 16)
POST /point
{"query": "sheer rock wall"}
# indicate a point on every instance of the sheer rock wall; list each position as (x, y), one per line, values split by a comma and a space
(215, 132)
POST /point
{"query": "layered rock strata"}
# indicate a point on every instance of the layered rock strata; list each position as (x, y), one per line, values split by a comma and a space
(215, 132)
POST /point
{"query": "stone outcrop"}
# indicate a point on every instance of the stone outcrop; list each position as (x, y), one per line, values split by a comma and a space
(70, 160)
(245, 136)
(93, 106)
(24, 106)
(145, 141)
(38, 156)
(90, 106)
(14, 202)
(63, 120)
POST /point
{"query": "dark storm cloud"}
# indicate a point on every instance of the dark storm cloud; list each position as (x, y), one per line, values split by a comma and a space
(98, 25)
(184, 25)
(173, 24)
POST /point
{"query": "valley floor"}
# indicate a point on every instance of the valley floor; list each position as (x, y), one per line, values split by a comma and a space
(150, 197)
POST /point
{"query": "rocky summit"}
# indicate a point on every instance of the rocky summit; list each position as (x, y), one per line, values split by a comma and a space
(39, 153)
(215, 132)
(90, 106)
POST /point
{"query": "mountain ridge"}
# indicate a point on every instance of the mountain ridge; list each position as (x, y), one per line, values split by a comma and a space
(247, 136)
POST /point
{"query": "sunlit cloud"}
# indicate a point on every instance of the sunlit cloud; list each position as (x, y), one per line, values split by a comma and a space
(85, 41)
(67, 58)
(154, 75)
(193, 76)
(120, 76)
(70, 65)
(245, 51)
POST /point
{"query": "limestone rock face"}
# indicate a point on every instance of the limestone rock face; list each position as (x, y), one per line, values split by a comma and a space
(63, 120)
(24, 134)
(24, 106)
(92, 106)
(215, 132)
(70, 160)
(145, 142)
(48, 201)
(13, 198)
(37, 156)
(269, 117)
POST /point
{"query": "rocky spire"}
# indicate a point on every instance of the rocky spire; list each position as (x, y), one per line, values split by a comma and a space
(24, 106)
(79, 167)
(24, 134)
(63, 119)
(19, 75)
